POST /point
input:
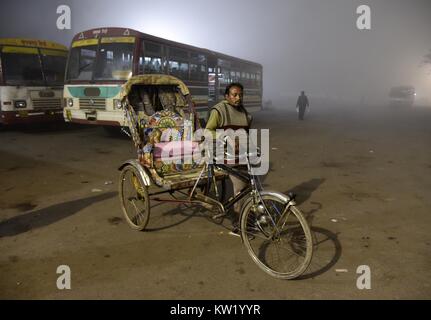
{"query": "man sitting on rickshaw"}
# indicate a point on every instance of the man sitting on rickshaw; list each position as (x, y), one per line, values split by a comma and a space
(231, 114)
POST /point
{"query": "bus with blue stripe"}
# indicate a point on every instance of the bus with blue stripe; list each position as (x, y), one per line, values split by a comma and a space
(101, 60)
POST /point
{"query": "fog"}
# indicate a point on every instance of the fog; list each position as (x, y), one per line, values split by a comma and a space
(311, 45)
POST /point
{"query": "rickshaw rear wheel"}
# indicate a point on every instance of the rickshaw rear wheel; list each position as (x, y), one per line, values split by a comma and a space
(134, 198)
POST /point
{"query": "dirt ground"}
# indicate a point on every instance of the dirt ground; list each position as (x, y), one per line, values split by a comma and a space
(362, 176)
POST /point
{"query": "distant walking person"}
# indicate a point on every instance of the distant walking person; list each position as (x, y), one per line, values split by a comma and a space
(301, 105)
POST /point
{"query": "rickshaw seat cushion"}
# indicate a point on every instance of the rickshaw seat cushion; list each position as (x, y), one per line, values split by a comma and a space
(175, 149)
(174, 157)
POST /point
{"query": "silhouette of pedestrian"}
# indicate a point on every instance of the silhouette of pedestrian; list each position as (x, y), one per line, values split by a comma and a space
(301, 105)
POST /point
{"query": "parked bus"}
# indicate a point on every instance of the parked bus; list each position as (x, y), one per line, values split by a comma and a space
(402, 96)
(101, 60)
(31, 80)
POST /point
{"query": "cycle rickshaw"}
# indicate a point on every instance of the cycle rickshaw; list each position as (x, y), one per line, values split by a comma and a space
(160, 118)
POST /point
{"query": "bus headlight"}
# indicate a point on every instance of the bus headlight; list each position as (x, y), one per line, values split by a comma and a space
(117, 103)
(70, 102)
(20, 103)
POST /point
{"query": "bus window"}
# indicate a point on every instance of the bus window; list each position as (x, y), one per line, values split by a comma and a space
(232, 76)
(21, 65)
(153, 65)
(115, 61)
(153, 48)
(178, 53)
(198, 67)
(235, 76)
(151, 58)
(53, 62)
(224, 77)
(179, 69)
(199, 58)
(81, 63)
(197, 72)
(238, 76)
(253, 79)
(178, 63)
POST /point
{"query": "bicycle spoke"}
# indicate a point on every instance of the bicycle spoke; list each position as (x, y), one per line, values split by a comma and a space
(277, 260)
(257, 235)
(288, 249)
(138, 213)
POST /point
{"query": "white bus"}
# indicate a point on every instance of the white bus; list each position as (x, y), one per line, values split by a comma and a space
(31, 80)
(101, 60)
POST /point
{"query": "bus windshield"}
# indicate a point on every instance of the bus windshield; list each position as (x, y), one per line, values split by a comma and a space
(113, 61)
(54, 63)
(22, 66)
(81, 63)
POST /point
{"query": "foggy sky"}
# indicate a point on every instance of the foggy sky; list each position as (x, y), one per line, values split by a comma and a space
(310, 45)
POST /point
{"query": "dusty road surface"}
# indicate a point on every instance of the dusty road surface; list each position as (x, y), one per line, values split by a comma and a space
(362, 175)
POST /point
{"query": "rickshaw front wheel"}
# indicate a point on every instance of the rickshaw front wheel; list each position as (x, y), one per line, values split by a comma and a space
(134, 198)
(279, 239)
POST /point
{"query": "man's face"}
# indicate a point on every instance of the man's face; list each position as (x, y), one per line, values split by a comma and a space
(234, 98)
